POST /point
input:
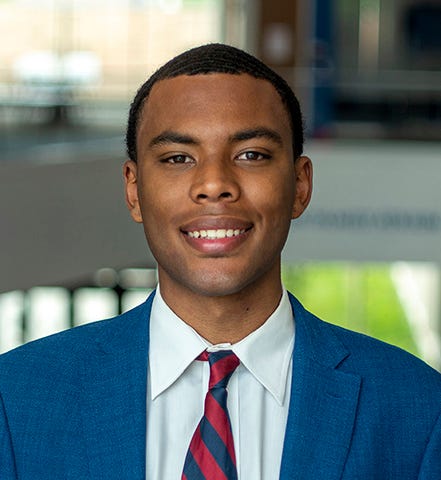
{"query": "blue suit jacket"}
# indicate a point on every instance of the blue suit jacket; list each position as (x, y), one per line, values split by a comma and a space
(73, 406)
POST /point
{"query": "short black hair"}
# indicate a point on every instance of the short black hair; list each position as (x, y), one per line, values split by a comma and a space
(216, 58)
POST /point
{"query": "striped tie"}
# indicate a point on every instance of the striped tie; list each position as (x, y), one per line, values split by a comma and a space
(211, 454)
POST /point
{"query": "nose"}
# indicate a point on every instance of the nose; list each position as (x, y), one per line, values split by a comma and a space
(214, 181)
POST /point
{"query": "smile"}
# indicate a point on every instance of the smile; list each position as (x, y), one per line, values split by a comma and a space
(216, 234)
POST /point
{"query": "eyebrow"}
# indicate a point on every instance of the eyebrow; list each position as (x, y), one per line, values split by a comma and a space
(169, 136)
(258, 132)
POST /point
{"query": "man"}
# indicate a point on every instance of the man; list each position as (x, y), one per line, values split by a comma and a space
(215, 175)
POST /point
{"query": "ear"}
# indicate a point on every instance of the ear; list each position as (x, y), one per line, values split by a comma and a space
(130, 173)
(303, 172)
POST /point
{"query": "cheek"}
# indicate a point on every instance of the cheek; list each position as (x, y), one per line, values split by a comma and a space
(152, 211)
(277, 195)
(153, 195)
(160, 209)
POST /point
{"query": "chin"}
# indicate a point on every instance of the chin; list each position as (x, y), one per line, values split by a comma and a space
(220, 285)
(218, 280)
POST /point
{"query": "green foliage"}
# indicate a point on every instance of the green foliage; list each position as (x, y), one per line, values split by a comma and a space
(360, 297)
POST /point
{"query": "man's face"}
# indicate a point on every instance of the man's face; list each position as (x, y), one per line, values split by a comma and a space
(216, 185)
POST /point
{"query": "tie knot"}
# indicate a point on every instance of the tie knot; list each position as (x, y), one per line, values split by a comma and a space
(222, 365)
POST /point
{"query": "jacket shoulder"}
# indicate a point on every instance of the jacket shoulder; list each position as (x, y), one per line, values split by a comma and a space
(61, 352)
(374, 360)
(375, 357)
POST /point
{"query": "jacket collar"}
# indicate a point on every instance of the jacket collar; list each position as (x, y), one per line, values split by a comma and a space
(323, 403)
(114, 413)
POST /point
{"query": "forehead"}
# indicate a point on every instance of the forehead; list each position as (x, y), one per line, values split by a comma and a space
(221, 102)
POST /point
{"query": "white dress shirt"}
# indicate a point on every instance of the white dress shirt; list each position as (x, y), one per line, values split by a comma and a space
(258, 393)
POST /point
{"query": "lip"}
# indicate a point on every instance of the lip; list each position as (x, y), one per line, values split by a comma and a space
(215, 222)
(216, 246)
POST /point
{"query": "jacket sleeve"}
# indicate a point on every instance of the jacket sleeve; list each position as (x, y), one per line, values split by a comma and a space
(431, 464)
(7, 462)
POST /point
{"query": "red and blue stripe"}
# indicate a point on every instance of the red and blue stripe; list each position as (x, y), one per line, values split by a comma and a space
(211, 453)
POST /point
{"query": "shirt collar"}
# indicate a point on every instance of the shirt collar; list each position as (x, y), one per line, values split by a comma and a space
(173, 346)
(266, 352)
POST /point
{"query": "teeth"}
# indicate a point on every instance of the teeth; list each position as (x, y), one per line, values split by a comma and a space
(215, 234)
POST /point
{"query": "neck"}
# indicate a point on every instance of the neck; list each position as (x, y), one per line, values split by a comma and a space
(223, 319)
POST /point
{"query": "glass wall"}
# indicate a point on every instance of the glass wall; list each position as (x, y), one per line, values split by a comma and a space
(388, 71)
(82, 60)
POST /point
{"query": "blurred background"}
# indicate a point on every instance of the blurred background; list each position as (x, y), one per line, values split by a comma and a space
(368, 75)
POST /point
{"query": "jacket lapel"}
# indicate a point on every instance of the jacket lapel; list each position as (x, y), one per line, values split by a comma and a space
(323, 403)
(114, 413)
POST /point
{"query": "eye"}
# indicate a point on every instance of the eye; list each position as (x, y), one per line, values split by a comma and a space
(178, 159)
(252, 155)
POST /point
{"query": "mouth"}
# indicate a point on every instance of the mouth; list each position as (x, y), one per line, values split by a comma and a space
(216, 234)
